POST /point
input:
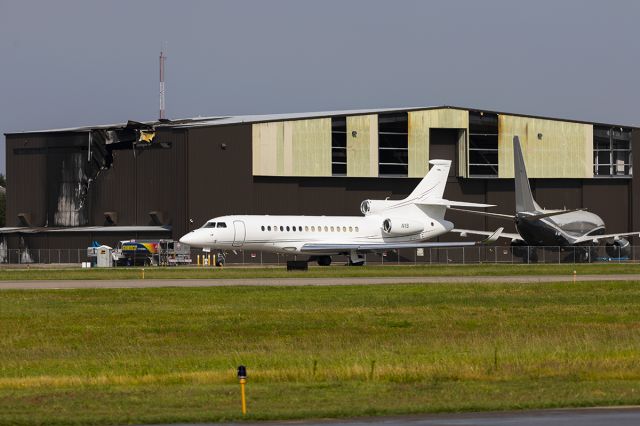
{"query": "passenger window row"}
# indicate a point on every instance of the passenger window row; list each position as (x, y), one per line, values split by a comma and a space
(310, 228)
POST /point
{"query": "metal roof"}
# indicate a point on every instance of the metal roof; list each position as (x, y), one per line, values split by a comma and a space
(258, 118)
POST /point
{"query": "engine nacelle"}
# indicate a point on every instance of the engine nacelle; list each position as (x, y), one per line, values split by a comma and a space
(619, 248)
(397, 226)
(368, 207)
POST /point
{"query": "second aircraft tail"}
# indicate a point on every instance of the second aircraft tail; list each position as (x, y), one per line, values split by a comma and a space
(524, 197)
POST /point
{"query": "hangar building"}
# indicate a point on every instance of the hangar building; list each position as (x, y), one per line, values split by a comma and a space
(68, 187)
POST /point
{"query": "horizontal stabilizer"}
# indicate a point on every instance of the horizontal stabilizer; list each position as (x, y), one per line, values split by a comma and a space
(497, 215)
(449, 203)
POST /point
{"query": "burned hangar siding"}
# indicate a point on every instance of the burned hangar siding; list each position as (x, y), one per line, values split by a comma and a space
(95, 177)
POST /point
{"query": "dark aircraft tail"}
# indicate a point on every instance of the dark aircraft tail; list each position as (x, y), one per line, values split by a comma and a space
(524, 198)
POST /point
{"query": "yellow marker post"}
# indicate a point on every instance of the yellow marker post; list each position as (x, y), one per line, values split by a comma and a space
(574, 277)
(143, 273)
(242, 377)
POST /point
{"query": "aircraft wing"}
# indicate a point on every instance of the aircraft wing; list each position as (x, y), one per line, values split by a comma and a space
(597, 238)
(376, 247)
(466, 232)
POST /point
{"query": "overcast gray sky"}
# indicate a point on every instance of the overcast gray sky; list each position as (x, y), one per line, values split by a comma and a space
(70, 63)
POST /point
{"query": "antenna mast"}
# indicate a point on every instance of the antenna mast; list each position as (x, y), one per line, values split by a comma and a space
(162, 59)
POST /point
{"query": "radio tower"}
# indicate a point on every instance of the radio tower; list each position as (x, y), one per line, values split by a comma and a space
(162, 59)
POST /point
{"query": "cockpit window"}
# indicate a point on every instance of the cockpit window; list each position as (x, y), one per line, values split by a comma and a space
(222, 225)
(209, 225)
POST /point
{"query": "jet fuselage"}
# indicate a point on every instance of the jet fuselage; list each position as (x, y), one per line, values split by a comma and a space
(559, 230)
(287, 234)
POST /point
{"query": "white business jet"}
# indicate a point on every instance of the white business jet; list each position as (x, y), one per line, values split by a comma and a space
(386, 225)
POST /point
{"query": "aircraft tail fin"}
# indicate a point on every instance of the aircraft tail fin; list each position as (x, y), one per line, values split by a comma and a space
(433, 184)
(524, 198)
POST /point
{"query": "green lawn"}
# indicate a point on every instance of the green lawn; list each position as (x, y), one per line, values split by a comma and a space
(165, 355)
(315, 272)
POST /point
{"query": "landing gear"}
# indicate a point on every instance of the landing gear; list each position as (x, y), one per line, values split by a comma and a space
(324, 260)
(356, 259)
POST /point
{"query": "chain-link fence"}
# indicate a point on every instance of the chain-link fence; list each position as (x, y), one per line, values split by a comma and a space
(454, 255)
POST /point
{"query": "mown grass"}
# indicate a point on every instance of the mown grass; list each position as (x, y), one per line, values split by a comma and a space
(112, 356)
(317, 272)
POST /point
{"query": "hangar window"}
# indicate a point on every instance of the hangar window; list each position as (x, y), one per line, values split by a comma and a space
(612, 151)
(483, 144)
(393, 144)
(339, 146)
(221, 225)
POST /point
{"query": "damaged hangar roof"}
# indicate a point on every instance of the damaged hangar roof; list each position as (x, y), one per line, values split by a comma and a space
(258, 118)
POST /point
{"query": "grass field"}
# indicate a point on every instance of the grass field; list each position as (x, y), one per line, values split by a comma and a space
(166, 355)
(316, 272)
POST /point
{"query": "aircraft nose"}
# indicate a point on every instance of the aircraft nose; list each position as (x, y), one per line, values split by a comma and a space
(187, 238)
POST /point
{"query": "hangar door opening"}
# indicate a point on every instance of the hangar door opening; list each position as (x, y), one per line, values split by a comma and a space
(443, 145)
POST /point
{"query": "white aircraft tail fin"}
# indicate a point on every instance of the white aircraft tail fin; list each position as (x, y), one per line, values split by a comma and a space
(433, 184)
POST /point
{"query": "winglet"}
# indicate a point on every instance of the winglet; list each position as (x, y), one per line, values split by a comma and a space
(493, 237)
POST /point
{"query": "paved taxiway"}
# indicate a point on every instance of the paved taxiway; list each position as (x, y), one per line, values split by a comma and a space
(619, 416)
(217, 282)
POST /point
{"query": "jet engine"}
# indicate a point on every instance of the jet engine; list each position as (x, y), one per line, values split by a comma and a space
(619, 248)
(368, 207)
(399, 226)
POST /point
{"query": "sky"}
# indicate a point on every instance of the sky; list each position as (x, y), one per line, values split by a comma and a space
(73, 63)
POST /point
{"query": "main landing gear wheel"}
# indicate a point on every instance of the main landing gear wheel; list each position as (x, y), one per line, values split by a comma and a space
(324, 260)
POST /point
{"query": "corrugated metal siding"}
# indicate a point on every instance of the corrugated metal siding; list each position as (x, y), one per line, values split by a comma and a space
(564, 151)
(115, 189)
(180, 219)
(311, 147)
(26, 179)
(219, 181)
(268, 149)
(292, 148)
(156, 181)
(420, 122)
(362, 146)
